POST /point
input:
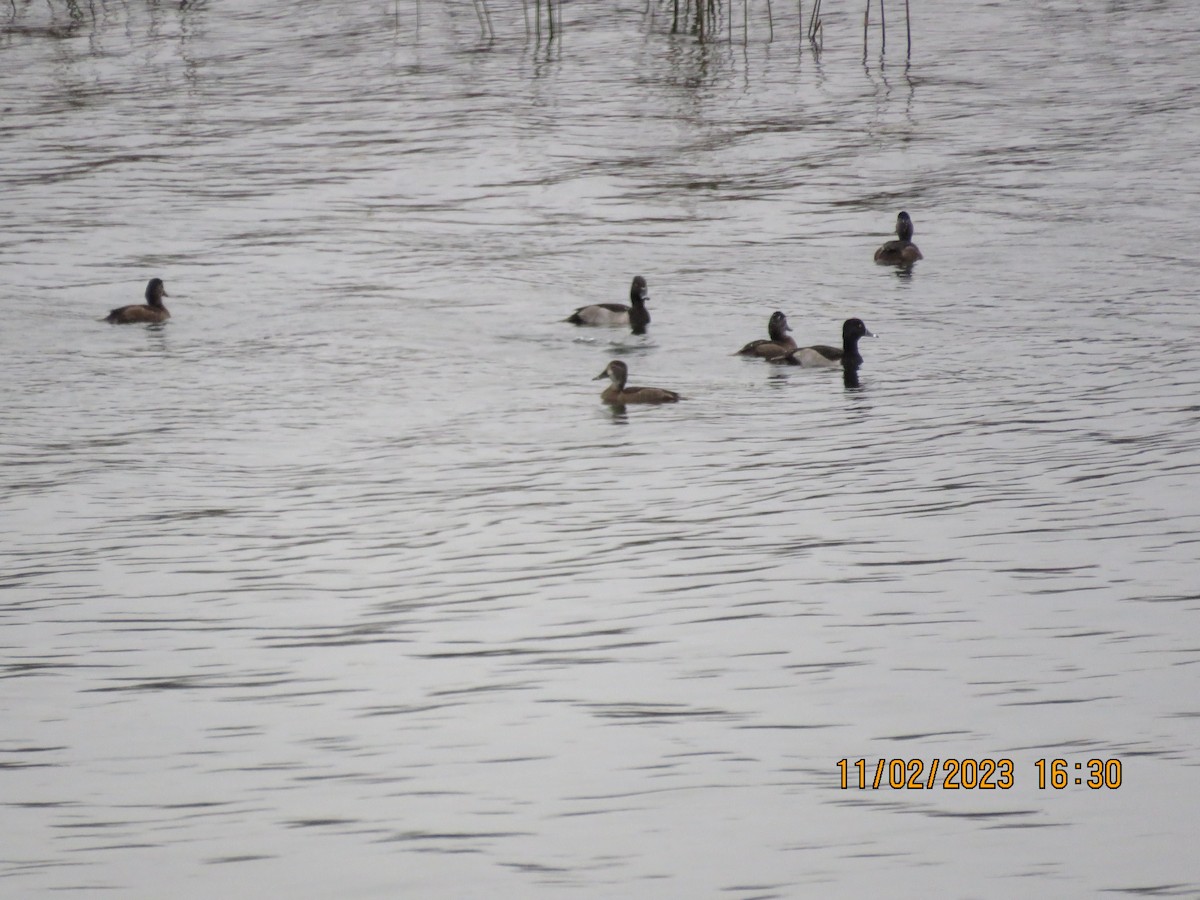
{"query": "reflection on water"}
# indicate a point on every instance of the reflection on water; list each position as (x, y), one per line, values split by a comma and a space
(345, 583)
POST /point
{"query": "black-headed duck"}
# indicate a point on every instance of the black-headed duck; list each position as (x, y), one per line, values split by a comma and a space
(902, 251)
(636, 316)
(618, 395)
(823, 355)
(152, 311)
(779, 344)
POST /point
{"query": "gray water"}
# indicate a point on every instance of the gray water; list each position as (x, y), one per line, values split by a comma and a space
(344, 584)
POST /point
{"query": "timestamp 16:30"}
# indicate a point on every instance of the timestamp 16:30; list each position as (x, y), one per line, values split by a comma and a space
(976, 774)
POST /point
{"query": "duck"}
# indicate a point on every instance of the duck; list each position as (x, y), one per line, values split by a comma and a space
(616, 394)
(152, 311)
(902, 251)
(822, 355)
(635, 315)
(779, 344)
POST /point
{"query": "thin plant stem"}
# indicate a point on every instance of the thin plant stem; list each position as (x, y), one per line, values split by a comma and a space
(487, 15)
(908, 30)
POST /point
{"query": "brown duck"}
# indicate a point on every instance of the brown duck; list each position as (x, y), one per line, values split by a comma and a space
(617, 394)
(902, 251)
(779, 344)
(152, 311)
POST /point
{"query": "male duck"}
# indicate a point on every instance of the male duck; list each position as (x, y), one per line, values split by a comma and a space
(617, 394)
(636, 315)
(152, 311)
(779, 344)
(822, 355)
(902, 251)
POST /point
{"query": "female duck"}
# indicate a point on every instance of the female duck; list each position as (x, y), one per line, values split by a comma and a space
(152, 311)
(902, 251)
(822, 355)
(617, 394)
(779, 344)
(636, 315)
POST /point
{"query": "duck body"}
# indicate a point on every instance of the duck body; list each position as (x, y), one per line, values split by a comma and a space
(636, 316)
(617, 394)
(152, 311)
(823, 355)
(817, 355)
(779, 344)
(601, 314)
(902, 251)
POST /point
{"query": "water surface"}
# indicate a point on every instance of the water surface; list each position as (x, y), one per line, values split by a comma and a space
(344, 584)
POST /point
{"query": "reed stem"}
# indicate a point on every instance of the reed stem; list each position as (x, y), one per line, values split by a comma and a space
(908, 30)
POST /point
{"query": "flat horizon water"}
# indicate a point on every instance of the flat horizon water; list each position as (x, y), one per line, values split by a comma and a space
(343, 583)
